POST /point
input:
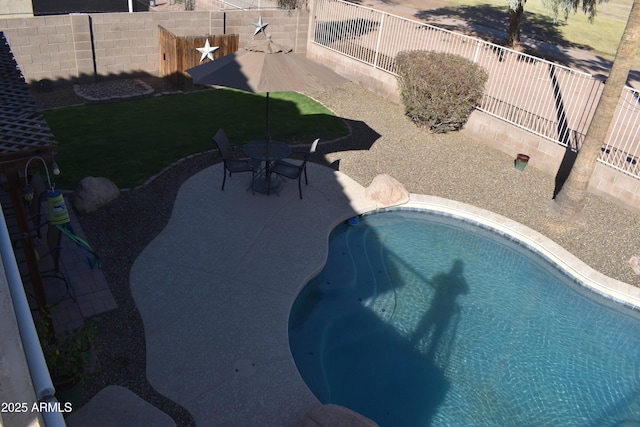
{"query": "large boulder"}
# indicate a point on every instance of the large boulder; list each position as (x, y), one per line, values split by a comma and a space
(92, 193)
(386, 191)
(334, 416)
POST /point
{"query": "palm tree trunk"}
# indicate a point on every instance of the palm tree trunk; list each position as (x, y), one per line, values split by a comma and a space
(571, 199)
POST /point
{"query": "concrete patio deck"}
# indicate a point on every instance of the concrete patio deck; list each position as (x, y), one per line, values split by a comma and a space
(215, 287)
(214, 291)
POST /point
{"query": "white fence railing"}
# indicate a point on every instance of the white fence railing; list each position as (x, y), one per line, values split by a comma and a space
(622, 150)
(548, 99)
(240, 4)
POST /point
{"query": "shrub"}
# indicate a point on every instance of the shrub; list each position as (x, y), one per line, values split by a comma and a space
(439, 90)
(68, 355)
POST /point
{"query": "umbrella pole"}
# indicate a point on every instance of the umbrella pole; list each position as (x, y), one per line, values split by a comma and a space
(268, 134)
(268, 141)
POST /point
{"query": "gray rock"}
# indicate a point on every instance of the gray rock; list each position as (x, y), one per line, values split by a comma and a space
(91, 193)
(334, 416)
(386, 191)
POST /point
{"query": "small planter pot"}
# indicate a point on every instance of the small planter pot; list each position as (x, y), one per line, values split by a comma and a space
(521, 161)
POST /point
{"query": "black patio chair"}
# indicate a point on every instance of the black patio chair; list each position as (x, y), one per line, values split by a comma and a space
(287, 169)
(232, 163)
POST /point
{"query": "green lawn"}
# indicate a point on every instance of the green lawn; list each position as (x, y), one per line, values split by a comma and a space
(601, 36)
(130, 141)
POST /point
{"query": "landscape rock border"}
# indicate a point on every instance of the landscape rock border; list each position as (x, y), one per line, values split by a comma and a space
(112, 90)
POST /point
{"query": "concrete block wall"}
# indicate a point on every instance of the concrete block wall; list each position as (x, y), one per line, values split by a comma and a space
(64, 47)
(375, 80)
(616, 186)
(208, 5)
(546, 155)
(16, 9)
(43, 45)
(75, 48)
(287, 27)
(218, 5)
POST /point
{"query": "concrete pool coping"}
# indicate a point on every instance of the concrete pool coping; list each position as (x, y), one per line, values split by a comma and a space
(567, 262)
(215, 288)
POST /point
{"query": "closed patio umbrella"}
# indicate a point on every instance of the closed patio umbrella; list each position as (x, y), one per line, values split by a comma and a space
(265, 66)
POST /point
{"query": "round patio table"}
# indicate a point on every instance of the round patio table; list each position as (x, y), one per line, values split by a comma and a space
(267, 152)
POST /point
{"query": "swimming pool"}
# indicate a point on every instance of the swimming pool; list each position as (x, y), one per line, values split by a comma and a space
(420, 319)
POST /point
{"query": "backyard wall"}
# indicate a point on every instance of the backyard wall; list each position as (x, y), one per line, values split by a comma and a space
(73, 48)
(235, 4)
(547, 156)
(76, 48)
(16, 9)
(373, 79)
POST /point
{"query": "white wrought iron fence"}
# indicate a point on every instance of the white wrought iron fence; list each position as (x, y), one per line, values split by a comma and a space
(548, 99)
(241, 4)
(622, 150)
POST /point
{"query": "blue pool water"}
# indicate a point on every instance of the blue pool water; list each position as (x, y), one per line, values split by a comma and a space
(422, 320)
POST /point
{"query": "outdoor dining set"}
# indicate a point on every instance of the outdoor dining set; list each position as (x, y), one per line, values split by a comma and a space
(262, 67)
(267, 160)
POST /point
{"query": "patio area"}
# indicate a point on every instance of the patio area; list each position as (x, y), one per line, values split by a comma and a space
(215, 310)
(213, 288)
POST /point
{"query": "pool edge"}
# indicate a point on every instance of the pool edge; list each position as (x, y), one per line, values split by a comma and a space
(571, 265)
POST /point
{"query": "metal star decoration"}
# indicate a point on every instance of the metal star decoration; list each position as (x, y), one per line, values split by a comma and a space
(207, 51)
(259, 26)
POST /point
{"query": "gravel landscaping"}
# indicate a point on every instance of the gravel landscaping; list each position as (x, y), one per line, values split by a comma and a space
(454, 166)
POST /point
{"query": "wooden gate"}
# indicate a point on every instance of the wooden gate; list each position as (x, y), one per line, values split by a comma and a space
(177, 53)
